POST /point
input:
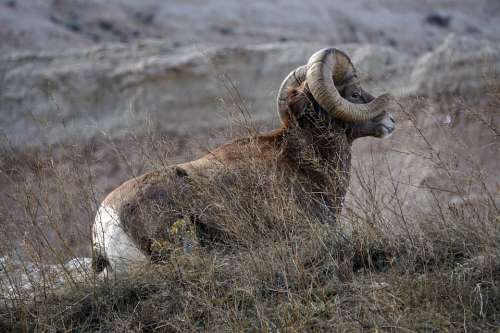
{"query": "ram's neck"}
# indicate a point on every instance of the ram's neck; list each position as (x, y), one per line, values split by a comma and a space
(328, 149)
(323, 160)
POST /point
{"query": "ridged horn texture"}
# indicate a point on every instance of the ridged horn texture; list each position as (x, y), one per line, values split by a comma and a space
(328, 65)
(293, 80)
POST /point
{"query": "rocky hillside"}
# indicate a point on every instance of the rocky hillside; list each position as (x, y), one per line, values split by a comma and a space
(409, 25)
(54, 97)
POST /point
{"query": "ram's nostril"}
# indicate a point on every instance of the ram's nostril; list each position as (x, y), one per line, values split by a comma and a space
(392, 118)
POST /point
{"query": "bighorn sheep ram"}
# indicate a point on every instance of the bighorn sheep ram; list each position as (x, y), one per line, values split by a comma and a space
(322, 107)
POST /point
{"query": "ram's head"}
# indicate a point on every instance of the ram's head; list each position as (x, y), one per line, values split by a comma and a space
(330, 85)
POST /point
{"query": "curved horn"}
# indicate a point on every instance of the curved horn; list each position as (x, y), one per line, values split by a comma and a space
(293, 80)
(322, 68)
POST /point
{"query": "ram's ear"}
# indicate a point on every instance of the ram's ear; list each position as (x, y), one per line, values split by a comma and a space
(297, 104)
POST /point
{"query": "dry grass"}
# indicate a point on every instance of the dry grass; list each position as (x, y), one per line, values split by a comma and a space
(274, 268)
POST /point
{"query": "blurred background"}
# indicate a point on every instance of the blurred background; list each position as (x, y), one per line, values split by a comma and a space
(97, 84)
(73, 68)
(57, 25)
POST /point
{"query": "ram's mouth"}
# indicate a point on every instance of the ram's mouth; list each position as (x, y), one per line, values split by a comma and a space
(387, 130)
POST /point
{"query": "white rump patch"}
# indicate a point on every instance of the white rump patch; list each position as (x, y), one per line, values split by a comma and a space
(113, 242)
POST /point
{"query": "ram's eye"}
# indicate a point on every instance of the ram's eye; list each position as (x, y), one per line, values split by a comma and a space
(356, 95)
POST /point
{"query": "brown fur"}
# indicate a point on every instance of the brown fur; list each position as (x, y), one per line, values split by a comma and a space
(311, 153)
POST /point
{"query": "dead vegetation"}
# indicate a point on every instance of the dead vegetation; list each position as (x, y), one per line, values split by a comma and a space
(272, 267)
